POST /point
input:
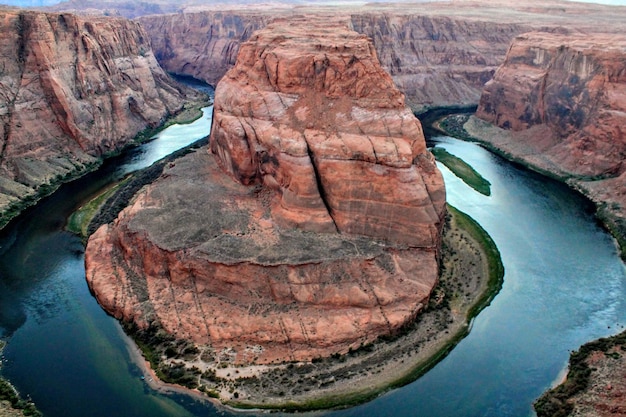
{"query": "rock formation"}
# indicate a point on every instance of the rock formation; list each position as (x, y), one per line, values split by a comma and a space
(560, 104)
(71, 90)
(312, 229)
(574, 86)
(313, 118)
(438, 53)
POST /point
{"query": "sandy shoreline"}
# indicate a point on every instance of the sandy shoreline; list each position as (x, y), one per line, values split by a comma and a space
(361, 375)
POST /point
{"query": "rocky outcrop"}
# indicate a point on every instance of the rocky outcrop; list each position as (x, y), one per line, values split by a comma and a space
(558, 103)
(315, 117)
(327, 238)
(71, 90)
(573, 88)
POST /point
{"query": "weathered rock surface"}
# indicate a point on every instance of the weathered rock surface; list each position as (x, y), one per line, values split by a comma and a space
(203, 45)
(72, 89)
(438, 53)
(308, 111)
(199, 255)
(559, 103)
(269, 267)
(575, 87)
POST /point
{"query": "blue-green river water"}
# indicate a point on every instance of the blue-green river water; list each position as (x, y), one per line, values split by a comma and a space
(564, 285)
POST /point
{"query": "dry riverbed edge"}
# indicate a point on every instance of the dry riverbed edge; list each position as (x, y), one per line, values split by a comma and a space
(471, 275)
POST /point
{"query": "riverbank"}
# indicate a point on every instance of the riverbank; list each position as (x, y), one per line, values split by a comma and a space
(471, 275)
(190, 112)
(610, 207)
(11, 405)
(594, 385)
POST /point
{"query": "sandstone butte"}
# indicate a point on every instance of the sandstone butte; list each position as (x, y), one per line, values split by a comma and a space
(312, 227)
(560, 101)
(72, 89)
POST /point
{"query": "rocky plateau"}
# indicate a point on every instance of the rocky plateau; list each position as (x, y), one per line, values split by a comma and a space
(71, 90)
(312, 227)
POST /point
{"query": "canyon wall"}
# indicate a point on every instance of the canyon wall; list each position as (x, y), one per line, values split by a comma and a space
(558, 103)
(434, 60)
(438, 53)
(72, 89)
(437, 60)
(204, 44)
(574, 87)
(312, 227)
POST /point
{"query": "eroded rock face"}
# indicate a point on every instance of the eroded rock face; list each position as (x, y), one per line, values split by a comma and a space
(240, 249)
(438, 53)
(199, 255)
(573, 89)
(307, 110)
(203, 45)
(72, 89)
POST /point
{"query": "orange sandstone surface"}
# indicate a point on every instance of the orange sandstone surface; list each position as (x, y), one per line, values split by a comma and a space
(312, 227)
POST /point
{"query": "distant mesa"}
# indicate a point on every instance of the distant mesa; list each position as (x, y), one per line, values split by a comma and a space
(311, 227)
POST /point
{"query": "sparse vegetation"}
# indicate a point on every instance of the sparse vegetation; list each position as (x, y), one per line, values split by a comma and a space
(463, 170)
(555, 402)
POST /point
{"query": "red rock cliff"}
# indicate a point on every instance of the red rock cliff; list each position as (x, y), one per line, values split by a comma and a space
(438, 53)
(574, 87)
(256, 268)
(308, 110)
(72, 89)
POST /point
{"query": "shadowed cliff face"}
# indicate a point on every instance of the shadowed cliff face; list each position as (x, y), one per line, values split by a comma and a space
(72, 89)
(438, 53)
(327, 238)
(433, 60)
(437, 60)
(203, 45)
(574, 87)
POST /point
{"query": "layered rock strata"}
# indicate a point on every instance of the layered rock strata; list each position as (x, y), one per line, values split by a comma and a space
(560, 105)
(308, 111)
(309, 231)
(438, 53)
(573, 89)
(71, 90)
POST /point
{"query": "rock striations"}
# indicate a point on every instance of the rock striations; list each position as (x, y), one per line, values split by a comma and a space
(313, 226)
(71, 89)
(559, 102)
(313, 117)
(574, 86)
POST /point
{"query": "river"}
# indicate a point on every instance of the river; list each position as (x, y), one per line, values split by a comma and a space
(564, 285)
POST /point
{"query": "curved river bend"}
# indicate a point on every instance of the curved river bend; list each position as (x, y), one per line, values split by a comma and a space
(564, 285)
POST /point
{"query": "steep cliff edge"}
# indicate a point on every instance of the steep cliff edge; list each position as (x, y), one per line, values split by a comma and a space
(438, 53)
(559, 104)
(434, 60)
(72, 89)
(295, 259)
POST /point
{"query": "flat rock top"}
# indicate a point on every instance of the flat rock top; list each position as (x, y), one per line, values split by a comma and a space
(577, 41)
(195, 207)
